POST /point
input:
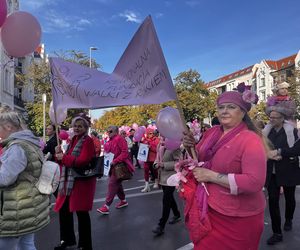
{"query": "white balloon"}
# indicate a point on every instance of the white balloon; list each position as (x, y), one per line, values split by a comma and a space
(61, 114)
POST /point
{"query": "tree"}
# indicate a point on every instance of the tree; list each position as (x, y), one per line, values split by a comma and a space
(294, 90)
(257, 113)
(39, 75)
(196, 100)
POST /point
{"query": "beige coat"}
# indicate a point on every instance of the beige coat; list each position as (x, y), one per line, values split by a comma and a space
(169, 159)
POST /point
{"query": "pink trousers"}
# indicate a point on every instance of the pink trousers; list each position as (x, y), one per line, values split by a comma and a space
(114, 188)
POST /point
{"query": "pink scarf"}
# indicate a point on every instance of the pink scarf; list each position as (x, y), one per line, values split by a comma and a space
(209, 148)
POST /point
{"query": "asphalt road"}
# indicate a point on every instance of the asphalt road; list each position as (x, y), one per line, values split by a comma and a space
(130, 228)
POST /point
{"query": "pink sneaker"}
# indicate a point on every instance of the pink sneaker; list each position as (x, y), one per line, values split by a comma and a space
(122, 204)
(103, 210)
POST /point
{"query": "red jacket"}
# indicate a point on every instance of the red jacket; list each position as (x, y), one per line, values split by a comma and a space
(152, 142)
(118, 146)
(82, 195)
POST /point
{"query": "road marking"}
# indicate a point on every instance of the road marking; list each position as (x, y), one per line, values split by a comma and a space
(127, 195)
(128, 189)
(131, 195)
(189, 246)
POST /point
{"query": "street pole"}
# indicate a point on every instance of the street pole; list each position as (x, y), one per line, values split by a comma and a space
(44, 99)
(91, 48)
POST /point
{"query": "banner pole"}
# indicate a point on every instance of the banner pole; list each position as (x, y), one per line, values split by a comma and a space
(194, 156)
(56, 126)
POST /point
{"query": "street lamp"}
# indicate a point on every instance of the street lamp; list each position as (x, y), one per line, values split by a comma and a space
(92, 48)
(44, 99)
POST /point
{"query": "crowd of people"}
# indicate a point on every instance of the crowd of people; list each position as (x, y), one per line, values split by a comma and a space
(222, 171)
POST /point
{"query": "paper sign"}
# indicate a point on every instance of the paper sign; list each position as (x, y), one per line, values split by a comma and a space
(108, 158)
(143, 152)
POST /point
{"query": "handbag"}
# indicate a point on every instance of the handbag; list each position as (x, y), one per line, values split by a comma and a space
(94, 169)
(121, 172)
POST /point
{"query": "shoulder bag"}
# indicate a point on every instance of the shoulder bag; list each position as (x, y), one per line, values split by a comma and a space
(121, 171)
(94, 169)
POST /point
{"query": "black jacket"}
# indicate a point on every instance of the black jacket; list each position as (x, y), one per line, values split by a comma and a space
(50, 147)
(287, 170)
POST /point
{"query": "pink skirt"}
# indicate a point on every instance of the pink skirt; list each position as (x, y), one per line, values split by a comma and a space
(232, 233)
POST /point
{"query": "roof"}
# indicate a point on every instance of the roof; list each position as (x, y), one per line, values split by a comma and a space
(275, 65)
(233, 75)
(282, 63)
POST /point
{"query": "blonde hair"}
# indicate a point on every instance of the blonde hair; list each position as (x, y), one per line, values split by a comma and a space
(7, 115)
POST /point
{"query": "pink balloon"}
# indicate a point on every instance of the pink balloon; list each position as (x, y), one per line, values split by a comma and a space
(172, 144)
(3, 11)
(63, 135)
(169, 123)
(20, 34)
(135, 126)
(139, 133)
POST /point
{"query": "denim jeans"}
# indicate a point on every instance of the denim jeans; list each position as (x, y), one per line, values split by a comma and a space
(24, 242)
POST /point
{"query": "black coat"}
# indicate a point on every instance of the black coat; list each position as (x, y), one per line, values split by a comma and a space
(287, 170)
(50, 147)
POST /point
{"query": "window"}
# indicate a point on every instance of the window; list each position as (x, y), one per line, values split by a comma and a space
(262, 95)
(262, 82)
(7, 80)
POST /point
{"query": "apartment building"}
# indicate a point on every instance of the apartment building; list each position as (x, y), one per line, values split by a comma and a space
(261, 76)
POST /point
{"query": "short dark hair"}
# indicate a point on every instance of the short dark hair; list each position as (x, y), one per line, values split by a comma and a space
(132, 129)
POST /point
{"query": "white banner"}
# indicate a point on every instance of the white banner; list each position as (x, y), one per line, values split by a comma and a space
(108, 158)
(143, 152)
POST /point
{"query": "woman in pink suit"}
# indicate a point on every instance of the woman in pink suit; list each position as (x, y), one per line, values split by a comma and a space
(118, 146)
(234, 172)
(76, 195)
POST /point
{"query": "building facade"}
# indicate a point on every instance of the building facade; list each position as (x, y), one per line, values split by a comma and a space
(261, 76)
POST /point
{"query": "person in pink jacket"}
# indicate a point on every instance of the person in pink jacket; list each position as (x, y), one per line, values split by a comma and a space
(152, 141)
(234, 172)
(118, 146)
